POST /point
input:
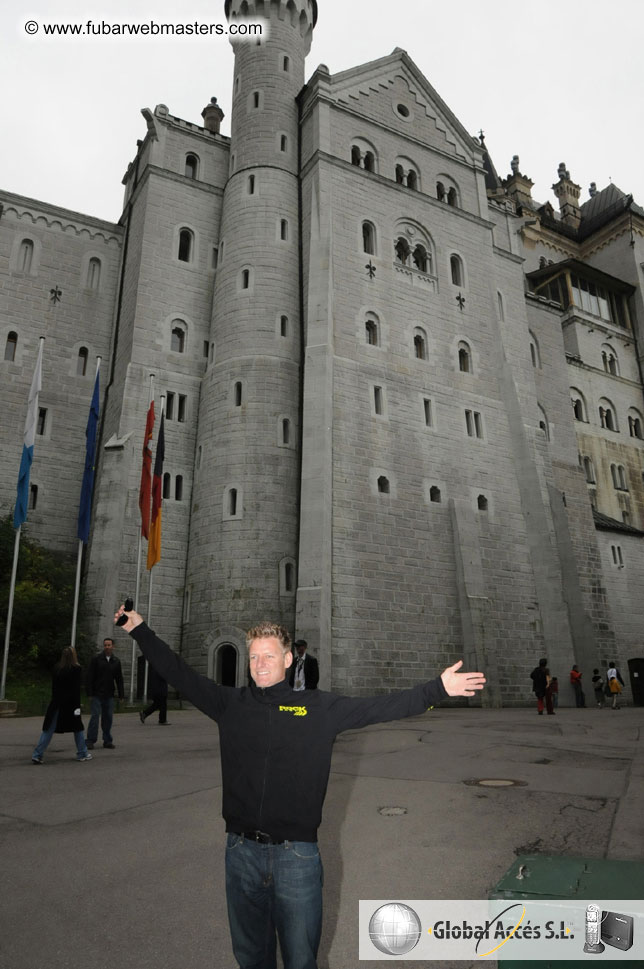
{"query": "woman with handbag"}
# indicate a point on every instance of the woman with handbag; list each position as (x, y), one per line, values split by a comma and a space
(63, 712)
(615, 683)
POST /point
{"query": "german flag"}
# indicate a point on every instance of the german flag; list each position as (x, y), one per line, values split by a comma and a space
(154, 540)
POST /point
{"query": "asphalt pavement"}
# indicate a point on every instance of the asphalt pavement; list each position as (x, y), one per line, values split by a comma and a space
(118, 862)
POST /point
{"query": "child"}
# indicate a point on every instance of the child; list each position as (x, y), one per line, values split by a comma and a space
(598, 686)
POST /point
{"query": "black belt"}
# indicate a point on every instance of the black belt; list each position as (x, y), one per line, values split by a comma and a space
(260, 837)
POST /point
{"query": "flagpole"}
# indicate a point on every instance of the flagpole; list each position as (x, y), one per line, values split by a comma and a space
(145, 686)
(7, 634)
(138, 568)
(21, 507)
(80, 547)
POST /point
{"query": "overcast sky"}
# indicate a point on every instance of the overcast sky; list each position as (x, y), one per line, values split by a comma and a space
(549, 81)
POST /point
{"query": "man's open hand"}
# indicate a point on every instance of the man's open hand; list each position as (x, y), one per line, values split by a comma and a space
(460, 684)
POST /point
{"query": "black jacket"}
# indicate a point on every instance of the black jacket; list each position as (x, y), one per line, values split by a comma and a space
(275, 744)
(103, 674)
(311, 672)
(65, 697)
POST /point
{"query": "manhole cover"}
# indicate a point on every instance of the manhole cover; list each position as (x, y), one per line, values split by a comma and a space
(390, 812)
(495, 782)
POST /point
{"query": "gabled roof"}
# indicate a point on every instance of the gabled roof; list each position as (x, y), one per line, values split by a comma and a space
(347, 86)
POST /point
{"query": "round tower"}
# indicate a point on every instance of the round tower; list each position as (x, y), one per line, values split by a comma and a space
(244, 529)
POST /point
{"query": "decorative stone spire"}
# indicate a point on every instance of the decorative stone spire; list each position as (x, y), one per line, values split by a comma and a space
(592, 191)
(568, 194)
(518, 186)
(212, 116)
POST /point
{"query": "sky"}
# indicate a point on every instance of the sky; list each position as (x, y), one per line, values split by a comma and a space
(548, 81)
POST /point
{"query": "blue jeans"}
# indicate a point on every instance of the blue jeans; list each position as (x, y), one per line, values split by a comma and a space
(46, 735)
(103, 707)
(274, 889)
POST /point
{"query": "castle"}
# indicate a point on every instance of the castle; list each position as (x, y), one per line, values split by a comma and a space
(403, 399)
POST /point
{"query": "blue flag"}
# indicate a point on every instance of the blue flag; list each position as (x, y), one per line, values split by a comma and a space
(85, 510)
(22, 496)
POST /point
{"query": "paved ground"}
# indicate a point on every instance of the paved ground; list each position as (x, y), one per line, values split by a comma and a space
(118, 863)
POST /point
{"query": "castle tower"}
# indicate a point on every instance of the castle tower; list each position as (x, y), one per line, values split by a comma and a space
(245, 515)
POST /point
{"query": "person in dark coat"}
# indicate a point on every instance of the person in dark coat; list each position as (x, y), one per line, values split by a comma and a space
(304, 673)
(103, 674)
(63, 712)
(540, 677)
(158, 690)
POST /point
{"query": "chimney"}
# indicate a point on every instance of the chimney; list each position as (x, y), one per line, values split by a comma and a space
(212, 116)
(568, 194)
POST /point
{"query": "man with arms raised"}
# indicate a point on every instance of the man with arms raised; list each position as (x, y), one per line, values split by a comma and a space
(276, 747)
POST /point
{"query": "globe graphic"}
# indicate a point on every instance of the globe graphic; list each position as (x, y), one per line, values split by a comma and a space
(394, 929)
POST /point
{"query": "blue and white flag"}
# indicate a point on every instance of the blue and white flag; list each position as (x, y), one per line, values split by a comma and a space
(85, 509)
(22, 498)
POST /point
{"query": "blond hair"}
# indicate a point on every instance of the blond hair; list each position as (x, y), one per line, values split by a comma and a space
(264, 630)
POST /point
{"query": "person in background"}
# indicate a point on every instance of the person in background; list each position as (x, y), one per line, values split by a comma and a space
(554, 692)
(64, 711)
(615, 682)
(598, 686)
(540, 677)
(575, 679)
(158, 691)
(103, 674)
(305, 672)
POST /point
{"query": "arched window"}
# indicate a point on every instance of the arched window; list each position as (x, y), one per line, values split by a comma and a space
(185, 245)
(33, 497)
(237, 393)
(607, 416)
(178, 337)
(440, 191)
(402, 251)
(284, 431)
(383, 485)
(369, 162)
(167, 485)
(245, 279)
(289, 577)
(284, 230)
(435, 494)
(456, 270)
(251, 184)
(500, 306)
(371, 331)
(81, 362)
(94, 274)
(452, 197)
(543, 422)
(283, 325)
(535, 355)
(589, 470)
(421, 259)
(283, 143)
(178, 488)
(578, 405)
(11, 346)
(609, 360)
(369, 238)
(481, 503)
(356, 156)
(191, 167)
(464, 357)
(232, 502)
(286, 62)
(635, 423)
(420, 344)
(412, 180)
(25, 256)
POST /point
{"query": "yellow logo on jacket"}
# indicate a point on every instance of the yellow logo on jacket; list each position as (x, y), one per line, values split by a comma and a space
(296, 711)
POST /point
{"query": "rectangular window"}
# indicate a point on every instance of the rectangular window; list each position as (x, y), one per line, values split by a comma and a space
(478, 424)
(206, 348)
(181, 408)
(42, 420)
(427, 410)
(473, 423)
(169, 407)
(377, 399)
(469, 423)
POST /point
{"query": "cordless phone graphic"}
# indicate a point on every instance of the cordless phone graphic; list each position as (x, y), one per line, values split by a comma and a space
(128, 605)
(593, 928)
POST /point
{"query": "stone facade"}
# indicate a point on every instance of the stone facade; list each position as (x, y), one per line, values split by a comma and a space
(366, 344)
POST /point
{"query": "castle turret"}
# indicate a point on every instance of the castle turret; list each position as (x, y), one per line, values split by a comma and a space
(568, 194)
(244, 529)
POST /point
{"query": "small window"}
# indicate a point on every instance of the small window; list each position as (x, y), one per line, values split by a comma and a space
(232, 502)
(473, 423)
(283, 325)
(412, 180)
(251, 184)
(33, 497)
(440, 191)
(355, 156)
(427, 411)
(371, 333)
(237, 393)
(178, 488)
(191, 166)
(25, 256)
(607, 418)
(286, 63)
(245, 279)
(81, 362)
(500, 306)
(167, 485)
(369, 162)
(369, 238)
(402, 251)
(255, 99)
(435, 494)
(205, 348)
(285, 431)
(289, 577)
(185, 245)
(214, 261)
(169, 406)
(181, 408)
(421, 259)
(283, 143)
(451, 197)
(378, 400)
(481, 503)
(199, 457)
(42, 421)
(11, 346)
(616, 552)
(178, 339)
(635, 426)
(420, 346)
(94, 274)
(383, 485)
(589, 470)
(464, 358)
(456, 270)
(284, 230)
(402, 110)
(400, 175)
